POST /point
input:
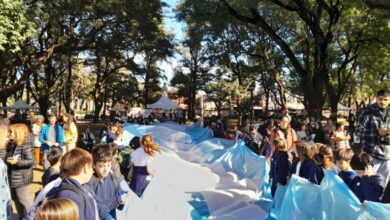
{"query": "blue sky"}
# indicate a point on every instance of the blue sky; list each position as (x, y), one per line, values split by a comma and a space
(177, 28)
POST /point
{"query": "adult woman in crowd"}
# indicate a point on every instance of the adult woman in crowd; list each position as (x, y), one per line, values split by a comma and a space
(20, 160)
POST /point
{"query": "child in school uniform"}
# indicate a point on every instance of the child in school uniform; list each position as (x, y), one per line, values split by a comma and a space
(280, 165)
(141, 160)
(306, 167)
(325, 159)
(76, 170)
(343, 159)
(53, 172)
(367, 185)
(104, 184)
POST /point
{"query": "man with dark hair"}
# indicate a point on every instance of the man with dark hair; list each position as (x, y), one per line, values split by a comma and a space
(373, 129)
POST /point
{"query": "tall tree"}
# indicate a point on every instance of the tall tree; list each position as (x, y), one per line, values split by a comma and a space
(317, 23)
(219, 92)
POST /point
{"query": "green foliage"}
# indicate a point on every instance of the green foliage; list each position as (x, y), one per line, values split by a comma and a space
(320, 48)
(122, 87)
(16, 25)
(218, 92)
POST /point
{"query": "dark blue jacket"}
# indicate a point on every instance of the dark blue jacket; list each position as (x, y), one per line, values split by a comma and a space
(348, 177)
(369, 188)
(386, 194)
(280, 166)
(320, 173)
(111, 137)
(44, 137)
(107, 195)
(86, 204)
(49, 175)
(308, 170)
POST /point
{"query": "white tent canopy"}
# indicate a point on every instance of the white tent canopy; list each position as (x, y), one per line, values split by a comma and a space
(341, 107)
(117, 109)
(20, 104)
(164, 103)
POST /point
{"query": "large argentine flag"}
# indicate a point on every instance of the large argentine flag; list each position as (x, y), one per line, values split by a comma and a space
(200, 177)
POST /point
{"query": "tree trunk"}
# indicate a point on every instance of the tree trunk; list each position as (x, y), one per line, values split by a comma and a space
(69, 82)
(239, 111)
(278, 80)
(333, 100)
(4, 103)
(98, 107)
(97, 91)
(105, 98)
(69, 85)
(251, 106)
(60, 100)
(231, 108)
(193, 90)
(191, 103)
(218, 106)
(44, 104)
(146, 89)
(313, 95)
(282, 94)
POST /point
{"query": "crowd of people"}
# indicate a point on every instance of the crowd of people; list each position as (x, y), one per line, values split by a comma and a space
(89, 181)
(308, 148)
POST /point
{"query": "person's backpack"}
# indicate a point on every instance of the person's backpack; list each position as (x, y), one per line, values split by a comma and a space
(52, 194)
(55, 191)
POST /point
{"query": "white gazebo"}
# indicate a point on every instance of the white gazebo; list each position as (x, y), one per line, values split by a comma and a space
(343, 108)
(20, 104)
(164, 103)
(117, 109)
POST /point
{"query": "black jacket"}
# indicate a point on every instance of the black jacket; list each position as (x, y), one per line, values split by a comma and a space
(20, 174)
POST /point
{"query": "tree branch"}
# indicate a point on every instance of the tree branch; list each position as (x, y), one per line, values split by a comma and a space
(285, 6)
(382, 4)
(235, 14)
(278, 40)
